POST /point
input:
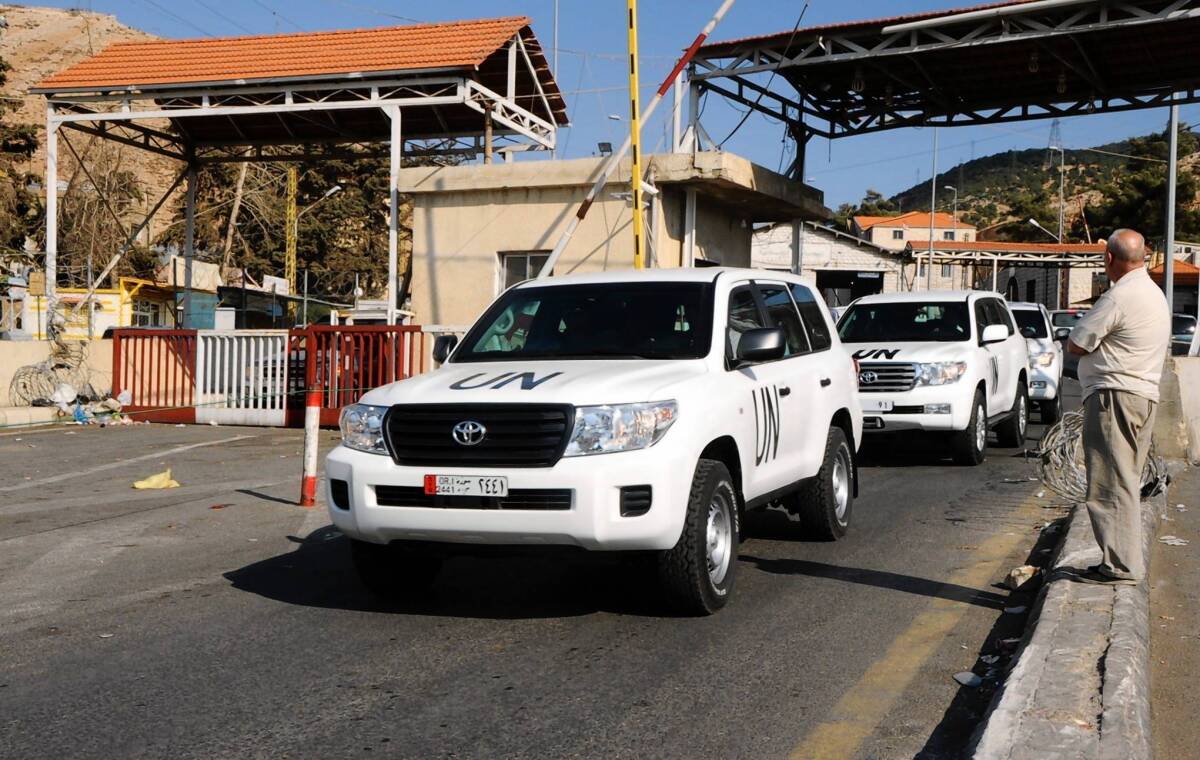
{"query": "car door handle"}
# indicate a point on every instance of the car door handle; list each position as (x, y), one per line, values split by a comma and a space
(825, 382)
(784, 390)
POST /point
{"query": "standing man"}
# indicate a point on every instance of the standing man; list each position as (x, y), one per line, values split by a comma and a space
(1123, 344)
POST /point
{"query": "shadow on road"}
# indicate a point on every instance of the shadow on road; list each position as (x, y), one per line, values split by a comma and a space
(880, 579)
(318, 573)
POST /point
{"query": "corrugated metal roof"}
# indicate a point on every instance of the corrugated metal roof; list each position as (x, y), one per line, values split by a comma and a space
(231, 60)
(996, 246)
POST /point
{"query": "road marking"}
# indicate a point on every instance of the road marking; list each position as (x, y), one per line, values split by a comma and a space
(115, 465)
(861, 709)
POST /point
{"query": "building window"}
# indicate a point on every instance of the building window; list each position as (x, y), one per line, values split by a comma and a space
(1031, 291)
(146, 314)
(947, 271)
(897, 234)
(948, 235)
(521, 266)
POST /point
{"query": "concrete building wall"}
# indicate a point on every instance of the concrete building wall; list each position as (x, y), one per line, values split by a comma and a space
(15, 354)
(772, 249)
(885, 237)
(1037, 284)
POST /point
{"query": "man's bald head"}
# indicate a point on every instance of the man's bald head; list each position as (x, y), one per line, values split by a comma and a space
(1127, 247)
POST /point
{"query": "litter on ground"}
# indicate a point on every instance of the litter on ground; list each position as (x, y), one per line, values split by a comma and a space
(1172, 541)
(1019, 576)
(160, 480)
(1015, 610)
(968, 679)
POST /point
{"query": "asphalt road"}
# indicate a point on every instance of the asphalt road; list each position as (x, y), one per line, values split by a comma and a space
(219, 619)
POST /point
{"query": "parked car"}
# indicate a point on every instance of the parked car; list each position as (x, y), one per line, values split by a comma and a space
(950, 362)
(1064, 320)
(1045, 359)
(623, 412)
(1183, 329)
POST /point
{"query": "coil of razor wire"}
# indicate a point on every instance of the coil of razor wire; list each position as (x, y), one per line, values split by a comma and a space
(1062, 467)
(67, 363)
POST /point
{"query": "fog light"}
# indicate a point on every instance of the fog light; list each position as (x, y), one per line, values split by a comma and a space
(1039, 385)
(937, 409)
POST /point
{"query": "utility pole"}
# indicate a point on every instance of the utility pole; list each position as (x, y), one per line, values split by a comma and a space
(1062, 200)
(635, 133)
(289, 267)
(932, 211)
(1173, 156)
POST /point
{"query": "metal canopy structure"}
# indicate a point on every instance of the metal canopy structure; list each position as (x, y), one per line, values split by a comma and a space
(461, 88)
(995, 253)
(1010, 61)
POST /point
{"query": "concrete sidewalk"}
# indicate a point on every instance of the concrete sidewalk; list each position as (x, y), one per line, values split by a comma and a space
(1079, 686)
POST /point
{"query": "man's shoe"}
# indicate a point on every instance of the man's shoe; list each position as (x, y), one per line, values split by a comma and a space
(1097, 576)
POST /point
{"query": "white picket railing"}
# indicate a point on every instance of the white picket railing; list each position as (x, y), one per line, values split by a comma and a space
(242, 377)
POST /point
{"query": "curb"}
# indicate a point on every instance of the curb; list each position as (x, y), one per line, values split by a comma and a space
(1080, 684)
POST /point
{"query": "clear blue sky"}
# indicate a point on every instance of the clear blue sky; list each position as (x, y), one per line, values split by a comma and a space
(592, 73)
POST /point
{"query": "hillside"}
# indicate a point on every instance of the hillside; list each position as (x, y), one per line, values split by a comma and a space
(999, 192)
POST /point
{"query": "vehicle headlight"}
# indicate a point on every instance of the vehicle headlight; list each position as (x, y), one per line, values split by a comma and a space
(940, 373)
(1041, 358)
(619, 427)
(362, 428)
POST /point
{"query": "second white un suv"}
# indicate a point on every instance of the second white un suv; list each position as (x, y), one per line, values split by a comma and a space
(945, 361)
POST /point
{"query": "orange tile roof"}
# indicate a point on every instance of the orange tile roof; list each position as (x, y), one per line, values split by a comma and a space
(1181, 267)
(229, 60)
(997, 246)
(941, 220)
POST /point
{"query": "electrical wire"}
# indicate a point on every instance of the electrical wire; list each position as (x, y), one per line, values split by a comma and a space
(1062, 467)
(277, 14)
(237, 25)
(178, 18)
(770, 79)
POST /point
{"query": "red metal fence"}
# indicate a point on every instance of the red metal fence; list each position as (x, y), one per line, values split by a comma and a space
(158, 367)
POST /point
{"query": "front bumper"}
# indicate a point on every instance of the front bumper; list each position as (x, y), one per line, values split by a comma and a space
(1044, 382)
(914, 409)
(594, 520)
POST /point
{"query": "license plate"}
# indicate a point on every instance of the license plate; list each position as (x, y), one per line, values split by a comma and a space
(466, 485)
(877, 405)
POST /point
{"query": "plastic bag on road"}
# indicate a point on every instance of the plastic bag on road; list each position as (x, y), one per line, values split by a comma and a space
(161, 480)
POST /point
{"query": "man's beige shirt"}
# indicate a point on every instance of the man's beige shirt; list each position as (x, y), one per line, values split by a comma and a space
(1127, 332)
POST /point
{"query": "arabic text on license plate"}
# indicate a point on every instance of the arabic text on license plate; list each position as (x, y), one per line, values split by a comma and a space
(466, 485)
(877, 406)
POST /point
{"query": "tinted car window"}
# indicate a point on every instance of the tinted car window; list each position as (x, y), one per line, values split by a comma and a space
(814, 320)
(619, 320)
(1031, 323)
(905, 321)
(743, 316)
(1067, 318)
(998, 315)
(983, 318)
(782, 313)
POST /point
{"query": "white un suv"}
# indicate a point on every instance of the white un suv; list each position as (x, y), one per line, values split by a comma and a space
(632, 411)
(945, 361)
(1045, 358)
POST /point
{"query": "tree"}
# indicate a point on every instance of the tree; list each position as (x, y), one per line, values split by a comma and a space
(20, 204)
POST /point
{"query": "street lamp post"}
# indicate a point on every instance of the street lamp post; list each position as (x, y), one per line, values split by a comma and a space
(1057, 239)
(1062, 186)
(954, 226)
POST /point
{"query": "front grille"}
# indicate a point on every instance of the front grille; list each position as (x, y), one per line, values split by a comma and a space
(535, 499)
(518, 435)
(889, 376)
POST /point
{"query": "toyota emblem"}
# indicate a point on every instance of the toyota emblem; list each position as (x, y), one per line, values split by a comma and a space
(469, 433)
(866, 378)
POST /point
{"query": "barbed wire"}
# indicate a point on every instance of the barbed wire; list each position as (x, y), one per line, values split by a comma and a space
(1062, 463)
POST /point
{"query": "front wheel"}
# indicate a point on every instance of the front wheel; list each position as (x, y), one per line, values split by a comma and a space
(1011, 432)
(393, 571)
(1051, 410)
(697, 574)
(970, 445)
(825, 502)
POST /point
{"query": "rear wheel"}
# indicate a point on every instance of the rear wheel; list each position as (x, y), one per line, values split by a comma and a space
(970, 445)
(698, 573)
(393, 570)
(825, 502)
(1011, 432)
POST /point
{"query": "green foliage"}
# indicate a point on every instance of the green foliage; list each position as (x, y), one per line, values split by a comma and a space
(20, 205)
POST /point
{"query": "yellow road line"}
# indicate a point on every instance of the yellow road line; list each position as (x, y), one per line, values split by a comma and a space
(861, 709)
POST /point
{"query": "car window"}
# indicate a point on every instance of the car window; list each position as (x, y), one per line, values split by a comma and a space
(743, 316)
(1068, 318)
(983, 318)
(904, 321)
(782, 314)
(814, 320)
(1031, 323)
(603, 321)
(1000, 315)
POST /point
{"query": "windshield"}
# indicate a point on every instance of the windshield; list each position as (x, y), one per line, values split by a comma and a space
(1030, 323)
(1067, 318)
(652, 320)
(905, 321)
(1182, 324)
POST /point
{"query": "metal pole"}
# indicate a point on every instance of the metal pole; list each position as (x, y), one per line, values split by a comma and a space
(87, 302)
(932, 211)
(189, 244)
(289, 266)
(51, 216)
(615, 159)
(394, 213)
(1172, 170)
(554, 150)
(1062, 199)
(304, 314)
(635, 135)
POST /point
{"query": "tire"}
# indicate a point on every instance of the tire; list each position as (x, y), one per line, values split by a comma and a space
(393, 571)
(1011, 433)
(826, 500)
(1051, 411)
(970, 446)
(697, 575)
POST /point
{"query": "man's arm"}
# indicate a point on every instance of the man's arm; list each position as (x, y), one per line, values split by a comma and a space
(1093, 328)
(1075, 349)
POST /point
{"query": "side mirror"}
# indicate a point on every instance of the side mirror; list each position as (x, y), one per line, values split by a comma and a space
(994, 334)
(1062, 333)
(762, 344)
(443, 346)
